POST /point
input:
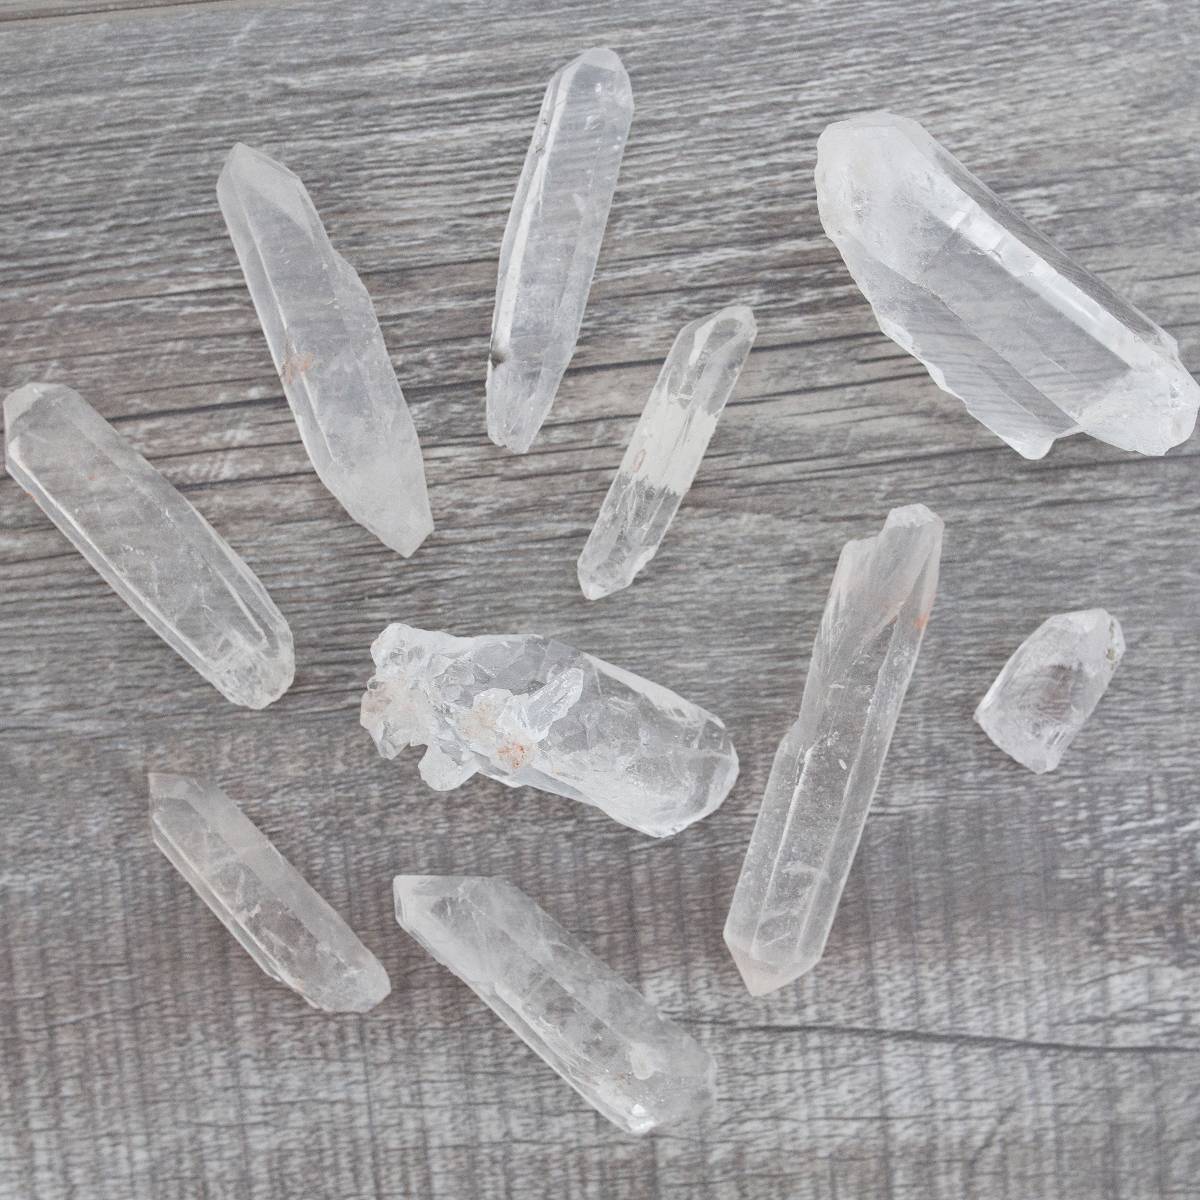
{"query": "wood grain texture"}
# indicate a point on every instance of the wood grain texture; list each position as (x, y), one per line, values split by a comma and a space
(1008, 1005)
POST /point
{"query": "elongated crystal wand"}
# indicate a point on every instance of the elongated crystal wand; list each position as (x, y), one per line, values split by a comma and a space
(827, 767)
(552, 241)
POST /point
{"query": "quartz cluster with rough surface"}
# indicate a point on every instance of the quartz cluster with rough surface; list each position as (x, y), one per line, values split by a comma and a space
(152, 547)
(277, 917)
(552, 241)
(664, 454)
(827, 767)
(636, 1067)
(329, 351)
(525, 709)
(1036, 347)
(1050, 685)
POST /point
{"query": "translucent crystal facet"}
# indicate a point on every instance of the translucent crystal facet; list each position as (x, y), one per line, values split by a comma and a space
(634, 1066)
(529, 710)
(1050, 686)
(154, 549)
(1034, 346)
(261, 898)
(329, 351)
(552, 241)
(664, 453)
(828, 765)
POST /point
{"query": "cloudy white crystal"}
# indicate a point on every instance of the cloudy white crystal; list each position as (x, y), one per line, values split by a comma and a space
(329, 351)
(827, 766)
(636, 1067)
(664, 454)
(1036, 347)
(525, 709)
(277, 917)
(1050, 685)
(151, 546)
(552, 241)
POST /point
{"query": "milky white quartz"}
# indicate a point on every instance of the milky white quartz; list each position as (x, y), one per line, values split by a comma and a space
(828, 764)
(664, 453)
(632, 1064)
(329, 351)
(1050, 685)
(552, 241)
(293, 935)
(151, 546)
(529, 710)
(1034, 346)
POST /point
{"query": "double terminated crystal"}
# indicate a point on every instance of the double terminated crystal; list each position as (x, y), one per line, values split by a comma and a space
(637, 1068)
(1036, 347)
(1050, 686)
(529, 710)
(328, 349)
(155, 550)
(664, 453)
(552, 241)
(828, 765)
(261, 898)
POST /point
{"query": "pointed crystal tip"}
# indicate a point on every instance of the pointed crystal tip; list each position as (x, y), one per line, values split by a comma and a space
(761, 978)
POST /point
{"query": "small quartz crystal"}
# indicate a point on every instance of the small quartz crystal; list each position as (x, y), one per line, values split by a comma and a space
(636, 1067)
(1035, 346)
(552, 241)
(151, 546)
(329, 351)
(664, 453)
(1050, 686)
(293, 935)
(529, 710)
(827, 766)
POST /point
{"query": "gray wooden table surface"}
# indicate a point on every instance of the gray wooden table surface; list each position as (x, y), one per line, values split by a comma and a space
(1008, 1006)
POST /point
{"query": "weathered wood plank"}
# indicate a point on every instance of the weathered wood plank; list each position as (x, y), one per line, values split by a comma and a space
(1008, 1004)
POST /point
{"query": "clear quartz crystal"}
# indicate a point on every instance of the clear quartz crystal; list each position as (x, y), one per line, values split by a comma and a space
(529, 710)
(552, 241)
(293, 935)
(1036, 347)
(827, 766)
(329, 351)
(636, 1067)
(151, 546)
(1051, 684)
(664, 453)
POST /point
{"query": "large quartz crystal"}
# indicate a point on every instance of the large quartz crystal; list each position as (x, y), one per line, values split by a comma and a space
(329, 351)
(664, 453)
(552, 241)
(1034, 346)
(633, 1065)
(530, 710)
(826, 768)
(155, 550)
(261, 898)
(1050, 685)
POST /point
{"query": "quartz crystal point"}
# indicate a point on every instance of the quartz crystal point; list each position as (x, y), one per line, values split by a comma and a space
(1034, 346)
(152, 547)
(529, 710)
(329, 351)
(826, 768)
(1050, 686)
(633, 1065)
(261, 898)
(665, 452)
(552, 241)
